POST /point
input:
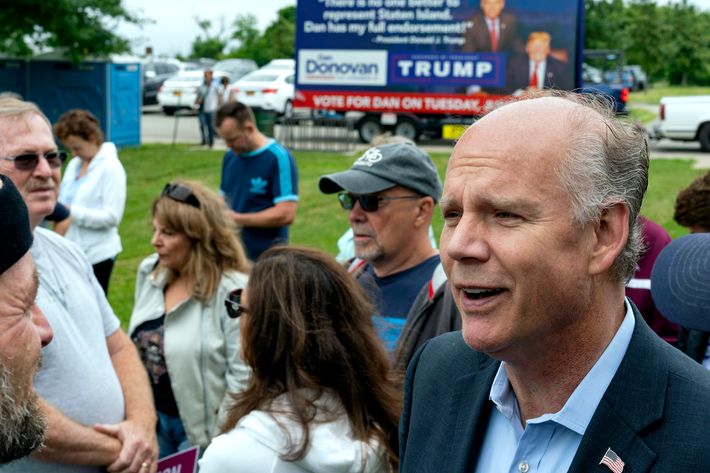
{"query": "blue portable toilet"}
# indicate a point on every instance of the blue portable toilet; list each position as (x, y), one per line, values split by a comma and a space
(13, 75)
(110, 89)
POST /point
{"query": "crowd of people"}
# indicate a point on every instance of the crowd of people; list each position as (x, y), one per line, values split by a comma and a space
(538, 338)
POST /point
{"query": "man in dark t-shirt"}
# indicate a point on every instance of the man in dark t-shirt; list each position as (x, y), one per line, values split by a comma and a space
(390, 193)
(259, 180)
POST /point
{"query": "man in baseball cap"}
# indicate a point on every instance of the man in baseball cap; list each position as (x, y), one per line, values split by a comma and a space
(390, 193)
(23, 331)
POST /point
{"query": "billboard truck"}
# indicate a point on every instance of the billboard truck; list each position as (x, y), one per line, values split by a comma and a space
(430, 67)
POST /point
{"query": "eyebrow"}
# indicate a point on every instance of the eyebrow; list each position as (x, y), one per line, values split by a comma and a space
(496, 203)
(32, 294)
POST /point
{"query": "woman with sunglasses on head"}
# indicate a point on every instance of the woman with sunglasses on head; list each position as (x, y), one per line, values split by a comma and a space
(322, 397)
(187, 342)
(93, 189)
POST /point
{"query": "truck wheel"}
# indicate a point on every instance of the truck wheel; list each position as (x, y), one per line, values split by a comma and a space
(407, 129)
(368, 128)
(704, 137)
(169, 111)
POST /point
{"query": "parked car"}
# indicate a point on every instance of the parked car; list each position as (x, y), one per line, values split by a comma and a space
(155, 72)
(180, 91)
(270, 89)
(620, 77)
(593, 82)
(198, 64)
(685, 119)
(285, 64)
(236, 68)
(640, 77)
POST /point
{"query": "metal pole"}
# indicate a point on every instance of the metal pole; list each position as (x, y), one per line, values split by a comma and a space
(177, 110)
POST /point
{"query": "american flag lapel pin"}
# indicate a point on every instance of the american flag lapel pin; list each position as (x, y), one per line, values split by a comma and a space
(612, 461)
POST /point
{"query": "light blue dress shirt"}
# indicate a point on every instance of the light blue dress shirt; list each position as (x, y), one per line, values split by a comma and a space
(548, 443)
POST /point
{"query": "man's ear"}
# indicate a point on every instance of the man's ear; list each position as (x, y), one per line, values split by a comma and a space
(425, 211)
(610, 237)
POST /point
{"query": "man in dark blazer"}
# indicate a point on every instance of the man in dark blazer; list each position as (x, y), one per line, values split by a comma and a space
(553, 370)
(536, 69)
(492, 30)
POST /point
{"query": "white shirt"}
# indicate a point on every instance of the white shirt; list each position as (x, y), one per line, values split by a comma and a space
(260, 438)
(493, 25)
(97, 202)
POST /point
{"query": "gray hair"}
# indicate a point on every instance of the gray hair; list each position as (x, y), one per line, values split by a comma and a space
(14, 108)
(606, 165)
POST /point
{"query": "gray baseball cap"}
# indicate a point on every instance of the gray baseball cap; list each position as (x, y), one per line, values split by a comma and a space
(386, 166)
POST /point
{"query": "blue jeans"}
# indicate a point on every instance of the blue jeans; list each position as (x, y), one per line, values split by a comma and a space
(207, 130)
(171, 435)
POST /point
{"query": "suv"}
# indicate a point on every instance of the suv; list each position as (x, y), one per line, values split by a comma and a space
(235, 68)
(154, 74)
(640, 77)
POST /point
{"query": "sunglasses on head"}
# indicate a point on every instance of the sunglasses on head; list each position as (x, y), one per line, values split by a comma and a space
(180, 193)
(28, 161)
(368, 202)
(233, 303)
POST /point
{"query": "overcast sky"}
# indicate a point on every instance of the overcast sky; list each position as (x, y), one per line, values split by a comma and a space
(175, 27)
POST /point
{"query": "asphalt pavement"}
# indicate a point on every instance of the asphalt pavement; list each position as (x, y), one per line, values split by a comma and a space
(183, 128)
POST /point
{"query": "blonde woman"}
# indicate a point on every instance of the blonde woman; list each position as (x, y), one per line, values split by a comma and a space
(187, 342)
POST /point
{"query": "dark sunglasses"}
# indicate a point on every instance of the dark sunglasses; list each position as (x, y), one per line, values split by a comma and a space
(180, 193)
(28, 161)
(368, 202)
(233, 303)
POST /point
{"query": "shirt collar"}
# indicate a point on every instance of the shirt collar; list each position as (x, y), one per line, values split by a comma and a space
(581, 405)
(258, 150)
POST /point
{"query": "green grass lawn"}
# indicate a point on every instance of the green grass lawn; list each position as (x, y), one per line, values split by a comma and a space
(320, 220)
(642, 115)
(654, 94)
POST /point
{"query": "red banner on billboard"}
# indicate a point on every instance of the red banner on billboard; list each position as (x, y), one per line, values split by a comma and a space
(397, 102)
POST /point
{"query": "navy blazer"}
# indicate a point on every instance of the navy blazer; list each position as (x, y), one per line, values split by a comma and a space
(655, 414)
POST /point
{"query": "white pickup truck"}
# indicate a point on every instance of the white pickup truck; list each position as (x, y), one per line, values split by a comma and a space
(686, 119)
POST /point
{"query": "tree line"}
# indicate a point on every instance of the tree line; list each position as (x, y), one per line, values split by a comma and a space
(670, 41)
(276, 41)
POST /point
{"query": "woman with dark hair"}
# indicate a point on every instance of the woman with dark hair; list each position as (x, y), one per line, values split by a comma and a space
(322, 397)
(186, 340)
(93, 190)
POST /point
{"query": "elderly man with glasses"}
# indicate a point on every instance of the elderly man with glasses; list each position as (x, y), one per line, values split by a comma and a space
(93, 389)
(390, 193)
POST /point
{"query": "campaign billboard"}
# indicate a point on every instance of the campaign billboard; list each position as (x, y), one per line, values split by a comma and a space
(433, 56)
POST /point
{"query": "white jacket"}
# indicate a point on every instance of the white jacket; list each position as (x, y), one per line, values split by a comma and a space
(256, 442)
(202, 350)
(98, 204)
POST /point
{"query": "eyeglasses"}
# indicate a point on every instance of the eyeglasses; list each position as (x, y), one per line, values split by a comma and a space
(180, 193)
(234, 305)
(368, 202)
(29, 161)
